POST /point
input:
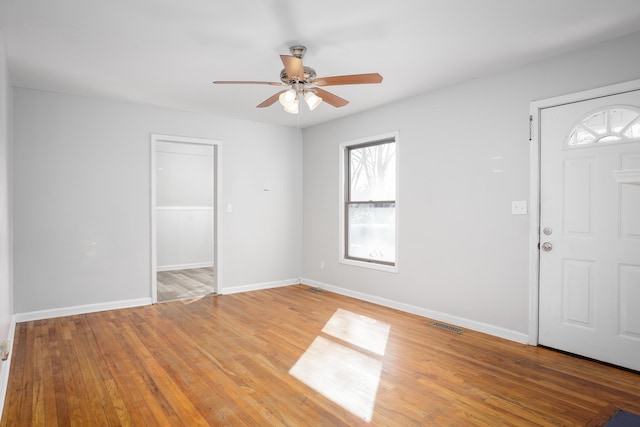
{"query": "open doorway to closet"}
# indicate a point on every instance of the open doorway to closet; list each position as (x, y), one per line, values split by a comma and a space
(184, 220)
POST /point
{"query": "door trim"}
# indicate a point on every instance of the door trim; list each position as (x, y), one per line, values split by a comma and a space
(155, 138)
(535, 110)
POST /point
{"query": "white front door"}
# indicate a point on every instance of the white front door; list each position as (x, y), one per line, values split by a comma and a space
(590, 229)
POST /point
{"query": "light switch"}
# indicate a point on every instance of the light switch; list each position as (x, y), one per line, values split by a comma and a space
(229, 208)
(519, 207)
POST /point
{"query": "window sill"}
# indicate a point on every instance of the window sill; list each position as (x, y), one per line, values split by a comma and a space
(370, 265)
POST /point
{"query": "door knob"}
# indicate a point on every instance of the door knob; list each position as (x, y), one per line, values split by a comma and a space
(546, 246)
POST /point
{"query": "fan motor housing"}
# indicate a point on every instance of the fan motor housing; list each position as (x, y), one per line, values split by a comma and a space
(309, 75)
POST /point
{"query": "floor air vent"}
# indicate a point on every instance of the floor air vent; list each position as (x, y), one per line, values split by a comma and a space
(447, 327)
(315, 290)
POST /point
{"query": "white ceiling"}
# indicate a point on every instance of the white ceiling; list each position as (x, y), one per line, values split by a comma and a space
(167, 52)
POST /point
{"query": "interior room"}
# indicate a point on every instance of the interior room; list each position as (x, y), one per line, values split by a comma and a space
(349, 213)
(184, 206)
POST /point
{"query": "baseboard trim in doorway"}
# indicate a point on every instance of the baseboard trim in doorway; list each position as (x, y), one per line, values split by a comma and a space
(485, 328)
(258, 286)
(184, 266)
(79, 309)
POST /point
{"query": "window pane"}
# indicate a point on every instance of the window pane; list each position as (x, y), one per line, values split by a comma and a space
(597, 122)
(633, 131)
(580, 136)
(611, 125)
(371, 228)
(621, 118)
(372, 172)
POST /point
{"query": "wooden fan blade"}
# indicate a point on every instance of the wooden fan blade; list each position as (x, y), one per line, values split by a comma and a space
(352, 79)
(227, 82)
(294, 67)
(330, 98)
(269, 101)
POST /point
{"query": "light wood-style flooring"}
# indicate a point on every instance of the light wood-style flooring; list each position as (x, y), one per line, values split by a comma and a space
(185, 284)
(291, 357)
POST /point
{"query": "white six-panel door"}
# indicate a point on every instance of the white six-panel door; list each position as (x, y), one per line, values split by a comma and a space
(589, 290)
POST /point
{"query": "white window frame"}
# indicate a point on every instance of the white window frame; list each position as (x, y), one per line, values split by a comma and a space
(341, 213)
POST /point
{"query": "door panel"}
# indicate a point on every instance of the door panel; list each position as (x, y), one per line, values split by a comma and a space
(590, 275)
(629, 295)
(577, 292)
(630, 201)
(577, 180)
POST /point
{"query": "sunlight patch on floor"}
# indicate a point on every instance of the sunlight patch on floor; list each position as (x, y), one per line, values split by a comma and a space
(347, 376)
(361, 331)
(341, 374)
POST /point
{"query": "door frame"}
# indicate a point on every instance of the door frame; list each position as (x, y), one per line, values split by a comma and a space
(535, 111)
(217, 145)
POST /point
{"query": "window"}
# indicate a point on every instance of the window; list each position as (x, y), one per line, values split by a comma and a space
(613, 124)
(369, 227)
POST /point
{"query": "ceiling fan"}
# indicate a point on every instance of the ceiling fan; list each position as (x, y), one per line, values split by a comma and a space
(304, 84)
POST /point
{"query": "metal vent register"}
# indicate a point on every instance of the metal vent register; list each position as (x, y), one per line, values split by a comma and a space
(447, 327)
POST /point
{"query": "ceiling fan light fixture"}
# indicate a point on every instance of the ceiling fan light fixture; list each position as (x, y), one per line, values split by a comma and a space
(288, 97)
(312, 100)
(293, 107)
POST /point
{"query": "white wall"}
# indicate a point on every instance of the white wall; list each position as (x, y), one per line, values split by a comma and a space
(82, 198)
(461, 252)
(6, 196)
(184, 175)
(184, 238)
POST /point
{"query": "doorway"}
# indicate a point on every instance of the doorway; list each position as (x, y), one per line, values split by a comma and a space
(184, 217)
(588, 287)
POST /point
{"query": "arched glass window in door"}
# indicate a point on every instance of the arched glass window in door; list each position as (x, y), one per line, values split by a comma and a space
(612, 124)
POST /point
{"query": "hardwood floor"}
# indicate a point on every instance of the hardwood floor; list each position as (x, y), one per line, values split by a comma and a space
(185, 284)
(290, 357)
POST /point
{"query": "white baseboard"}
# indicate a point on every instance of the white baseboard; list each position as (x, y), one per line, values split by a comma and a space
(79, 309)
(258, 286)
(184, 266)
(435, 315)
(5, 367)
